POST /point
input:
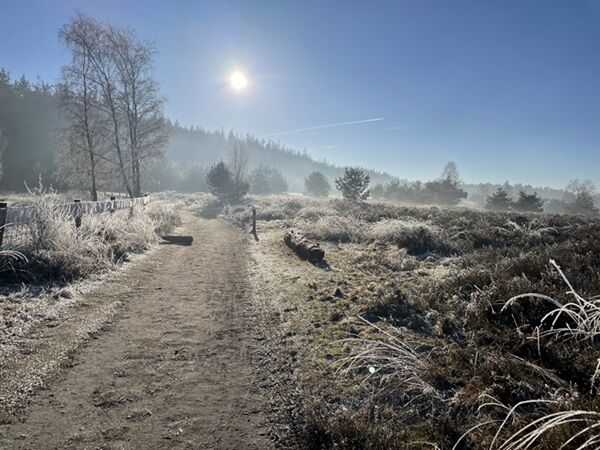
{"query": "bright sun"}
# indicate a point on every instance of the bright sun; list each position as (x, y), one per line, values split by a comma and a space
(238, 80)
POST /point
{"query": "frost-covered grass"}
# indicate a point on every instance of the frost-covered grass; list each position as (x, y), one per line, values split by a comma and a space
(334, 228)
(391, 356)
(58, 251)
(165, 216)
(433, 285)
(27, 306)
(577, 318)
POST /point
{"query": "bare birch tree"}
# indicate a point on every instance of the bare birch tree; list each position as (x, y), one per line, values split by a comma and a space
(139, 100)
(119, 67)
(88, 36)
(80, 100)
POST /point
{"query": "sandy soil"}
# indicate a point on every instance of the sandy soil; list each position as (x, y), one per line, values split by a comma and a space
(174, 367)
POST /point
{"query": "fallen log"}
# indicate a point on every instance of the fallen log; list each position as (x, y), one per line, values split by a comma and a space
(303, 247)
(178, 240)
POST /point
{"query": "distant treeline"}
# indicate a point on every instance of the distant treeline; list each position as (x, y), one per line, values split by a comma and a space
(32, 144)
(195, 145)
(578, 197)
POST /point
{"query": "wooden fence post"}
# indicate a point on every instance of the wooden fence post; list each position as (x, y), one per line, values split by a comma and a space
(253, 231)
(3, 211)
(253, 220)
(131, 206)
(77, 212)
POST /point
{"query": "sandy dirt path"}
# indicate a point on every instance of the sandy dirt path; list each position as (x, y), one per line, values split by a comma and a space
(172, 371)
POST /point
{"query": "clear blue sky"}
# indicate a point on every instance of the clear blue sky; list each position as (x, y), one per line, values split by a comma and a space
(507, 89)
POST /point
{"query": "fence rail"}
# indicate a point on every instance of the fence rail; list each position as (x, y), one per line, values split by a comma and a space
(15, 220)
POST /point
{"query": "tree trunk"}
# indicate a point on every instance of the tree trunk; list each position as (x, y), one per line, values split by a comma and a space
(90, 142)
(93, 190)
(117, 143)
(120, 156)
(137, 180)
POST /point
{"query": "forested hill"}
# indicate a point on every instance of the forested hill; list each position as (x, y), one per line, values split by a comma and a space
(31, 126)
(202, 147)
(30, 122)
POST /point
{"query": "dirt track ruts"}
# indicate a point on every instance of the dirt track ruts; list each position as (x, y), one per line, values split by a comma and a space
(172, 370)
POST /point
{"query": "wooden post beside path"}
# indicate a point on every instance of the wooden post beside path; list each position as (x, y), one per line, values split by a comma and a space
(77, 213)
(3, 212)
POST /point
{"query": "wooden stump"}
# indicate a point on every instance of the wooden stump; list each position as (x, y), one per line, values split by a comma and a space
(303, 247)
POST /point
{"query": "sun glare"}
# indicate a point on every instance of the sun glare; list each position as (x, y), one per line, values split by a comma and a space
(238, 80)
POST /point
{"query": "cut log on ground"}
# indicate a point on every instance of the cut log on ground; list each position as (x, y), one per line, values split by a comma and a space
(178, 240)
(303, 247)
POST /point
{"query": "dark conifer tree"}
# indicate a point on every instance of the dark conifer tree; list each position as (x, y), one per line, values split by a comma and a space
(354, 184)
(499, 201)
(529, 203)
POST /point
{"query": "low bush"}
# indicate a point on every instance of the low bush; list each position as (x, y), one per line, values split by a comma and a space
(415, 236)
(334, 229)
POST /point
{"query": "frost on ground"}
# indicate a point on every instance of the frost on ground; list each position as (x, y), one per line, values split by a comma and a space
(28, 306)
(24, 308)
(172, 368)
(60, 263)
(406, 338)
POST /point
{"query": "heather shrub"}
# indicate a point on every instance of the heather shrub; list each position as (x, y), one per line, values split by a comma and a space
(415, 236)
(442, 343)
(312, 213)
(335, 229)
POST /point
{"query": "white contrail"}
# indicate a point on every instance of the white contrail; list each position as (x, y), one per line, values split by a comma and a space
(325, 147)
(319, 127)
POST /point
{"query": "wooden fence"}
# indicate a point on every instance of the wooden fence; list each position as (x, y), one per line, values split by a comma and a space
(15, 220)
